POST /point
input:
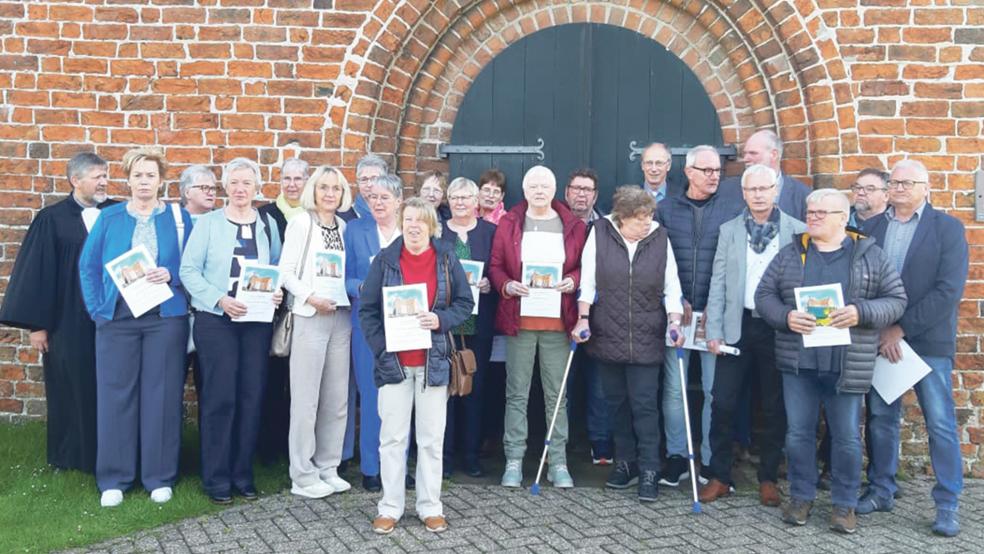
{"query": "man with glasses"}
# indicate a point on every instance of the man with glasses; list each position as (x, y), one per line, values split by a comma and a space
(656, 162)
(765, 147)
(930, 251)
(746, 246)
(870, 196)
(836, 376)
(581, 194)
(693, 221)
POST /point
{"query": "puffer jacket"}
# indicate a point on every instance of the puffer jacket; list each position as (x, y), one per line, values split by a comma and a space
(693, 235)
(874, 287)
(451, 306)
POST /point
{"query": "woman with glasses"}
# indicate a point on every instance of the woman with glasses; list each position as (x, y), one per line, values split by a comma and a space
(139, 358)
(431, 186)
(234, 355)
(364, 238)
(197, 185)
(471, 239)
(491, 194)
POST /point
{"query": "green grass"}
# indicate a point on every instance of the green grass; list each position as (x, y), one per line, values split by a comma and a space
(43, 509)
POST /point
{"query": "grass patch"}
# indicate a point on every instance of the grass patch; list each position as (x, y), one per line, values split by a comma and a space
(44, 509)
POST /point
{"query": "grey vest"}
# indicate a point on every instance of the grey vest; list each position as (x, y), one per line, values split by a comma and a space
(628, 319)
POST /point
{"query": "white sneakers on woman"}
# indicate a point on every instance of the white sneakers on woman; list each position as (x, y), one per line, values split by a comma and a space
(332, 479)
(111, 498)
(161, 494)
(330, 483)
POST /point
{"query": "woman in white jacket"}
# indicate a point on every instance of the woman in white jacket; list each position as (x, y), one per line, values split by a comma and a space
(313, 264)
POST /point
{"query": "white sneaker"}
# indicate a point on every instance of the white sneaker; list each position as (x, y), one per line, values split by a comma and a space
(111, 498)
(331, 478)
(319, 489)
(161, 494)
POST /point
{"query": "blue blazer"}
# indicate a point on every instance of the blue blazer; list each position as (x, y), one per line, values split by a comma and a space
(934, 274)
(361, 244)
(111, 236)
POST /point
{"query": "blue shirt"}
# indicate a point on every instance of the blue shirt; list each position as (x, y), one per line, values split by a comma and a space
(899, 235)
(658, 194)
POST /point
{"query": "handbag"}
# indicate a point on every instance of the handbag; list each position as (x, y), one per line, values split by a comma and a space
(463, 363)
(283, 318)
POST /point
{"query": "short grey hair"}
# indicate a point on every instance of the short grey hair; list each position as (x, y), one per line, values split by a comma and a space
(371, 160)
(693, 152)
(539, 171)
(909, 163)
(82, 163)
(773, 139)
(294, 163)
(241, 163)
(391, 183)
(190, 176)
(759, 170)
(462, 183)
(820, 194)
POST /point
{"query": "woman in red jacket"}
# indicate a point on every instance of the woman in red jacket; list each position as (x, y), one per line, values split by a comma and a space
(534, 238)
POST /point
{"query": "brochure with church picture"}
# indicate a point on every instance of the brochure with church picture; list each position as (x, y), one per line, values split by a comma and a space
(821, 301)
(695, 333)
(329, 276)
(129, 272)
(400, 325)
(473, 272)
(257, 285)
(544, 298)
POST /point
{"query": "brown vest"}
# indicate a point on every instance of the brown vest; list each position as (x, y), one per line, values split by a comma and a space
(628, 319)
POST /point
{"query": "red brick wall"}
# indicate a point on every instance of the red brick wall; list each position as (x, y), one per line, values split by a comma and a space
(848, 83)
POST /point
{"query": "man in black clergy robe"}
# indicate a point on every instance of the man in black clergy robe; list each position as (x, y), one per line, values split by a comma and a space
(43, 296)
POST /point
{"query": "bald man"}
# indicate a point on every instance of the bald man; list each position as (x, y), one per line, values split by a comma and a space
(765, 148)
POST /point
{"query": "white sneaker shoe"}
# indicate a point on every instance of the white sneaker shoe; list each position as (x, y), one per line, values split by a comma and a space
(111, 498)
(319, 489)
(161, 494)
(332, 479)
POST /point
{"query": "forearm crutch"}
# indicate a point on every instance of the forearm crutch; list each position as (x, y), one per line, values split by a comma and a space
(686, 420)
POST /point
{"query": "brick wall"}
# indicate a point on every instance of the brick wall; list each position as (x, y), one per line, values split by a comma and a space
(848, 83)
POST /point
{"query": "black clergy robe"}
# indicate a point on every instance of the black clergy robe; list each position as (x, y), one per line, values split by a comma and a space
(44, 293)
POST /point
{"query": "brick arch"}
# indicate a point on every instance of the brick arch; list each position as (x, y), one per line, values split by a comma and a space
(761, 67)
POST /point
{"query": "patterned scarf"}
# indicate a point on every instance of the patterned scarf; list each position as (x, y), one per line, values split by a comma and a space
(759, 236)
(494, 216)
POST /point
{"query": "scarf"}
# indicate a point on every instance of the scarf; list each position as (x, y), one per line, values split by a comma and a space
(494, 216)
(759, 236)
(286, 209)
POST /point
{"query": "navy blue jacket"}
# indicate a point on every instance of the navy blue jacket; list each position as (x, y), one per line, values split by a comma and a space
(480, 243)
(934, 274)
(694, 234)
(451, 309)
(792, 196)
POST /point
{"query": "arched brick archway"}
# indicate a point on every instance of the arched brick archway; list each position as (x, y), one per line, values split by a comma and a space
(761, 66)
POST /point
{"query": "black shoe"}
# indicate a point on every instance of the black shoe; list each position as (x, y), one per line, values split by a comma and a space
(410, 482)
(220, 499)
(674, 472)
(648, 489)
(342, 466)
(623, 476)
(474, 469)
(705, 475)
(601, 453)
(249, 493)
(372, 483)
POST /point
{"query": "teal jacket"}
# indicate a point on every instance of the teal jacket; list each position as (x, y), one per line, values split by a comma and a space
(208, 257)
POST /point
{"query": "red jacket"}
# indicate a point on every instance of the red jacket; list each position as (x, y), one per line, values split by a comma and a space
(507, 265)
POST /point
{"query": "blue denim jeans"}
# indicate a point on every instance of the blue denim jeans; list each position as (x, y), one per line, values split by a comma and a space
(675, 427)
(803, 394)
(594, 405)
(935, 394)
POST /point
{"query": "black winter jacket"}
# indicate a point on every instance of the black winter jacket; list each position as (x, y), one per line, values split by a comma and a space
(451, 309)
(874, 287)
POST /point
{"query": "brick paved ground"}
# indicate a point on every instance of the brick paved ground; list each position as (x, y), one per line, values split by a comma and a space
(486, 518)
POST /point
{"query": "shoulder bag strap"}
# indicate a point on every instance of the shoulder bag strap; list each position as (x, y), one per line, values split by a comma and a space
(307, 244)
(179, 225)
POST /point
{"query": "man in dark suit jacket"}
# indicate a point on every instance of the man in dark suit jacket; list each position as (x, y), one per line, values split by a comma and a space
(765, 147)
(930, 251)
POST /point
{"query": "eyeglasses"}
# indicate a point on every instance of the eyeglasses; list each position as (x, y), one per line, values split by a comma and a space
(460, 198)
(821, 214)
(380, 197)
(491, 191)
(654, 163)
(869, 189)
(207, 189)
(707, 171)
(366, 180)
(906, 184)
(758, 190)
(581, 190)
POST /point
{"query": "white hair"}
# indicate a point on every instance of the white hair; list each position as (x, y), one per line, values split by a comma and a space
(190, 176)
(820, 194)
(371, 160)
(773, 139)
(391, 183)
(241, 163)
(693, 152)
(759, 170)
(463, 183)
(909, 163)
(295, 163)
(538, 171)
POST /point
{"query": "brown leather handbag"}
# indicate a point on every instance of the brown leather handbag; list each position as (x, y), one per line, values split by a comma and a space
(463, 363)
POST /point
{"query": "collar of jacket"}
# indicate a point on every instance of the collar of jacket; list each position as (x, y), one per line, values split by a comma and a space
(391, 254)
(861, 243)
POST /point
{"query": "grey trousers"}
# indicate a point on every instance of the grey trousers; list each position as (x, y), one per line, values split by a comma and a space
(319, 386)
(521, 351)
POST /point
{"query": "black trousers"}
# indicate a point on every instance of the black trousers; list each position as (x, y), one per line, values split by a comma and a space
(463, 431)
(632, 395)
(758, 356)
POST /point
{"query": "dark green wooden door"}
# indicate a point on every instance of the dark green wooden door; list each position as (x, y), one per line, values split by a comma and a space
(588, 91)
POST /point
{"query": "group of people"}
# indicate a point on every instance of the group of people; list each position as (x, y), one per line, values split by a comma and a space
(730, 252)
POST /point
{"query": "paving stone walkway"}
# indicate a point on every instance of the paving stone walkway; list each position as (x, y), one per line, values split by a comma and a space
(486, 518)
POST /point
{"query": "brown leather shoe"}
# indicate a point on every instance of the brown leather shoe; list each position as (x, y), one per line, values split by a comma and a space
(843, 520)
(713, 490)
(769, 494)
(436, 524)
(383, 525)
